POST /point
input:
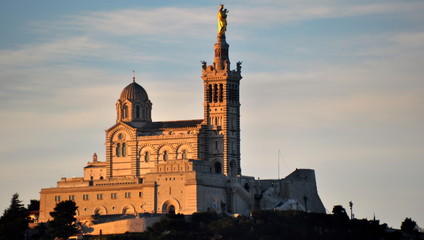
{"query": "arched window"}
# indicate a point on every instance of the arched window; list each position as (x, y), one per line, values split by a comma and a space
(128, 210)
(124, 150)
(100, 211)
(184, 154)
(165, 155)
(125, 111)
(170, 210)
(118, 150)
(221, 93)
(217, 167)
(233, 169)
(215, 93)
(137, 111)
(210, 93)
(247, 187)
(146, 156)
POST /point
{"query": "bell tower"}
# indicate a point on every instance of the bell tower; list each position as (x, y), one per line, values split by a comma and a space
(221, 98)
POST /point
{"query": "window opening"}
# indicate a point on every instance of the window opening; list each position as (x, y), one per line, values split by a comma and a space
(218, 167)
(124, 150)
(210, 93)
(118, 150)
(146, 156)
(137, 111)
(215, 93)
(125, 111)
(221, 93)
(165, 155)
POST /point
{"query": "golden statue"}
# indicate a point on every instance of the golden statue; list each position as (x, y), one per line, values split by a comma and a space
(222, 19)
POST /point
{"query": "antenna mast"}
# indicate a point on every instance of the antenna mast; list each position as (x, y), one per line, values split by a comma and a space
(278, 163)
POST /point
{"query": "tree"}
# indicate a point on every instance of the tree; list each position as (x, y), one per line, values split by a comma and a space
(340, 212)
(14, 221)
(34, 205)
(63, 223)
(409, 226)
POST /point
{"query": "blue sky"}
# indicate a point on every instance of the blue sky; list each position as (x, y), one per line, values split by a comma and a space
(336, 86)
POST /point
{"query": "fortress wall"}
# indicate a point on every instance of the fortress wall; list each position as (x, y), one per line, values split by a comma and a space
(123, 226)
(302, 183)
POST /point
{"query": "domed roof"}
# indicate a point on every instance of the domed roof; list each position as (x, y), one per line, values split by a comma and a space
(134, 92)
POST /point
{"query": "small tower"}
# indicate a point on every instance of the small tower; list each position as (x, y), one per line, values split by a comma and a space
(221, 98)
(134, 104)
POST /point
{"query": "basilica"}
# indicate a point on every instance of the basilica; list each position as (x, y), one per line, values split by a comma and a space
(157, 167)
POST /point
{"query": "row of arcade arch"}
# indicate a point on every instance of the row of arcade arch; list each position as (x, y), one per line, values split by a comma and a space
(102, 210)
(171, 206)
(140, 113)
(217, 168)
(165, 153)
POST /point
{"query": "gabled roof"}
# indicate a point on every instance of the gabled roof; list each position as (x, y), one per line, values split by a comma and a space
(118, 124)
(96, 165)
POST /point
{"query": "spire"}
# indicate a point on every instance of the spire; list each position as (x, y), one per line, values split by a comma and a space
(133, 76)
(221, 53)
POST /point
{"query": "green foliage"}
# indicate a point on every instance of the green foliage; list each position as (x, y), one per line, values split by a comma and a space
(262, 225)
(34, 205)
(409, 226)
(340, 212)
(14, 221)
(174, 226)
(301, 225)
(63, 223)
(232, 228)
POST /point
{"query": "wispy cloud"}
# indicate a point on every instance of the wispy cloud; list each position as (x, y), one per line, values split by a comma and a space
(60, 50)
(70, 49)
(283, 12)
(163, 22)
(174, 22)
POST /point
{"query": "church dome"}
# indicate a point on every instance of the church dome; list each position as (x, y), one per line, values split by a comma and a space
(134, 92)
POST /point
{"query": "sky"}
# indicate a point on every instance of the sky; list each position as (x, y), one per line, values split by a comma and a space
(335, 86)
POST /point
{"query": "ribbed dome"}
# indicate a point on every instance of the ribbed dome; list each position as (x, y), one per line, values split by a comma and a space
(134, 92)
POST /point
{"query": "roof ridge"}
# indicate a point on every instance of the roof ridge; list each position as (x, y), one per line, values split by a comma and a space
(180, 120)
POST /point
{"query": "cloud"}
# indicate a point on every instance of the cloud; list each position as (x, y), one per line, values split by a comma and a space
(278, 12)
(70, 49)
(410, 39)
(338, 94)
(60, 50)
(166, 23)
(163, 22)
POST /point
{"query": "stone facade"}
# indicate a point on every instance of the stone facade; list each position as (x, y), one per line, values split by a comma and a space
(179, 166)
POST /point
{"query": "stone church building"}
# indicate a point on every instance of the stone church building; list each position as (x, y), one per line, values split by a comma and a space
(180, 166)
